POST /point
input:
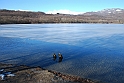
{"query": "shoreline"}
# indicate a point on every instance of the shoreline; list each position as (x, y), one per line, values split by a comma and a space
(27, 74)
(65, 23)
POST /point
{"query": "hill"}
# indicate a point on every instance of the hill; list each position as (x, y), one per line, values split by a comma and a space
(114, 15)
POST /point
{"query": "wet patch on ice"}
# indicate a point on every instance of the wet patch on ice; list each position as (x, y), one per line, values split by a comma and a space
(4, 74)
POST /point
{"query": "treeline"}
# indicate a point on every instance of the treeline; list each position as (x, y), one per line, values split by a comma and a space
(27, 17)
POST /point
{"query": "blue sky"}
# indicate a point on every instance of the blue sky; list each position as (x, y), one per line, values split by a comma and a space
(63, 5)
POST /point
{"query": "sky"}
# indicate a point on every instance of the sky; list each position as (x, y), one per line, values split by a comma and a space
(61, 6)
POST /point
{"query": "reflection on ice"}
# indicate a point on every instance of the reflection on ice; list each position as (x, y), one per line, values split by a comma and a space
(64, 33)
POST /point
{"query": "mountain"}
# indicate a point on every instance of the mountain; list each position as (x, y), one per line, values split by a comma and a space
(113, 13)
(106, 12)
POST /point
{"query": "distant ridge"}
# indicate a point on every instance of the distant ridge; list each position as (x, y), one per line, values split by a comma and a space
(104, 12)
(113, 15)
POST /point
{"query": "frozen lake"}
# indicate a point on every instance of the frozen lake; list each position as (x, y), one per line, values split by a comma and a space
(93, 51)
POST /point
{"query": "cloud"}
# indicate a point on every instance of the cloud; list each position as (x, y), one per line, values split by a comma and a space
(22, 10)
(64, 12)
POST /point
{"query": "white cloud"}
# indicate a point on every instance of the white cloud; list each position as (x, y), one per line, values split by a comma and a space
(64, 12)
(22, 10)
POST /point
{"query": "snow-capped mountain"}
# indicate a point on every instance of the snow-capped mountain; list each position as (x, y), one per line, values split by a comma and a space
(111, 11)
(107, 12)
(114, 13)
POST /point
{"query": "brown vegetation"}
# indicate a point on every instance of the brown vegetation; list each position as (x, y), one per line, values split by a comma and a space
(27, 17)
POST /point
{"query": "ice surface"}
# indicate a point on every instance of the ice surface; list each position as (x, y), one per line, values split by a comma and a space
(89, 50)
